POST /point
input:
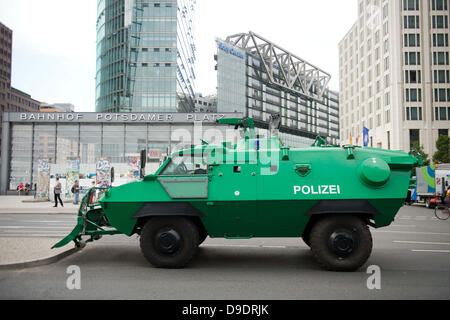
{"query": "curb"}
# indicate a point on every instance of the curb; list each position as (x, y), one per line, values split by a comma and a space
(39, 262)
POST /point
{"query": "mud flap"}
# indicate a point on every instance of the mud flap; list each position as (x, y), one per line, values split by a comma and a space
(73, 236)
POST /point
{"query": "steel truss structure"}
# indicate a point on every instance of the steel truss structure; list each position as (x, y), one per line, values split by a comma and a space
(283, 68)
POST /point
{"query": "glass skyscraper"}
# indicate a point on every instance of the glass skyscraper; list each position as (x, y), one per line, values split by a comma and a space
(145, 56)
(250, 81)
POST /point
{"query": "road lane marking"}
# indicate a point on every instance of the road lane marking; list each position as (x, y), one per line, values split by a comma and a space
(433, 251)
(253, 246)
(56, 236)
(238, 245)
(44, 221)
(232, 245)
(27, 235)
(422, 242)
(418, 218)
(278, 247)
(28, 231)
(403, 225)
(23, 227)
(412, 232)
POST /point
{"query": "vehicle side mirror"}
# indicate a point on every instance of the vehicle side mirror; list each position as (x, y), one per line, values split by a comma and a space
(112, 175)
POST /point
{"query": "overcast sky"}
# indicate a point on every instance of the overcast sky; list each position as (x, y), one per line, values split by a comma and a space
(54, 40)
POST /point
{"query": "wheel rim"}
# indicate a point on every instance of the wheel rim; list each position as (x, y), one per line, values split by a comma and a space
(342, 242)
(441, 213)
(167, 241)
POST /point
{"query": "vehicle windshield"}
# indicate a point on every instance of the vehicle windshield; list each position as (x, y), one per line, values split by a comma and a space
(186, 165)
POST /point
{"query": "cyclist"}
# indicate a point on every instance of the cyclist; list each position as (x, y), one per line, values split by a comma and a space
(447, 198)
(443, 212)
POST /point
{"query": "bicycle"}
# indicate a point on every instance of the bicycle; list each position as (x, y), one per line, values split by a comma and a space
(442, 211)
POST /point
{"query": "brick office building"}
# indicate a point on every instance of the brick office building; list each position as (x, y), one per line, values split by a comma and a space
(11, 99)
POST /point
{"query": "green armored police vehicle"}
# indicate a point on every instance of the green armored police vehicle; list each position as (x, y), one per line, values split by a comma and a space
(328, 195)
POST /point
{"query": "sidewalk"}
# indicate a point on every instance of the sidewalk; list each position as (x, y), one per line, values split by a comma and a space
(16, 204)
(18, 253)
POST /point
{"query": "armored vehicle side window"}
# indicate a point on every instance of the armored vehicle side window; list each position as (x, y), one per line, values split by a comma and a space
(186, 165)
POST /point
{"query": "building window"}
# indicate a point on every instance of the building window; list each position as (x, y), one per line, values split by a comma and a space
(414, 113)
(412, 76)
(379, 120)
(443, 132)
(413, 95)
(411, 22)
(386, 63)
(441, 96)
(414, 136)
(440, 40)
(441, 76)
(439, 4)
(442, 113)
(412, 40)
(440, 22)
(440, 58)
(412, 58)
(410, 5)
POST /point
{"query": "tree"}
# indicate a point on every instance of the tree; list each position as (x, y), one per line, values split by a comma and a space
(417, 149)
(442, 154)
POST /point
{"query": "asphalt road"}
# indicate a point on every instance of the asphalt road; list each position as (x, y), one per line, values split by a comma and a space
(413, 255)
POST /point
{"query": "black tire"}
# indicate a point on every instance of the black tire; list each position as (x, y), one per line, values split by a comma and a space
(306, 239)
(169, 242)
(202, 236)
(341, 242)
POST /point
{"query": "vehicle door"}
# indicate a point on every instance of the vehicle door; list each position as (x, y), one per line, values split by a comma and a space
(233, 195)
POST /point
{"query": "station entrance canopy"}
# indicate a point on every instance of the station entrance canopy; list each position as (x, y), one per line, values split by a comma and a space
(31, 141)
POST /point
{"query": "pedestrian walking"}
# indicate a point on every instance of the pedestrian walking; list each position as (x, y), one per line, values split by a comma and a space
(76, 192)
(92, 197)
(57, 191)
